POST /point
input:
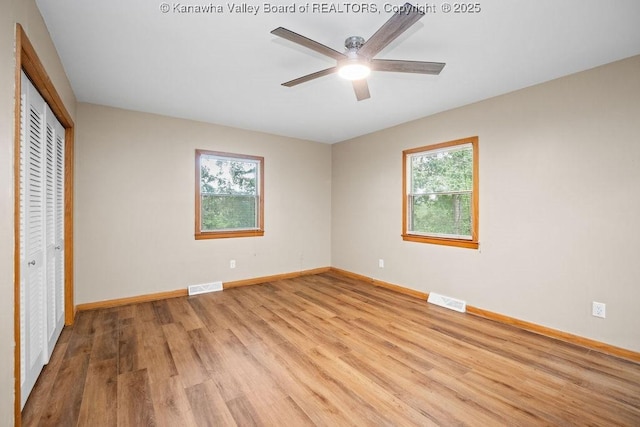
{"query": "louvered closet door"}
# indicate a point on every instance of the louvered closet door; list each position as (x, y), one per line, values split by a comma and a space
(54, 223)
(32, 276)
(58, 287)
(41, 234)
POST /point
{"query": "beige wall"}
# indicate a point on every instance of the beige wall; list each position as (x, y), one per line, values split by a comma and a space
(7, 65)
(559, 205)
(135, 205)
(26, 13)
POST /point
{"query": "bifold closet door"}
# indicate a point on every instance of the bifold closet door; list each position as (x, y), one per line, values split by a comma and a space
(54, 229)
(41, 232)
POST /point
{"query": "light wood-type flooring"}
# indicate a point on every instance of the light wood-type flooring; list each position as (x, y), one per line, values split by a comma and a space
(321, 350)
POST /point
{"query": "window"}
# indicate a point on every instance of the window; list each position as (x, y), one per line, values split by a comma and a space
(229, 195)
(440, 194)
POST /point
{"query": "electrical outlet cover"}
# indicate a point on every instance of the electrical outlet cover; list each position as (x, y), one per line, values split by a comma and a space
(599, 309)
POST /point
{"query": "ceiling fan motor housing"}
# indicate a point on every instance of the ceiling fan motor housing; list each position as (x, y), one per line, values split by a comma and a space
(353, 43)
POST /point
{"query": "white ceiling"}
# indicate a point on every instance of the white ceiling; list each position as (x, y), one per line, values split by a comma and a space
(226, 68)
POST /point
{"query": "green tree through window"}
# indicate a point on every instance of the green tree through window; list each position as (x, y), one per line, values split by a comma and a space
(229, 194)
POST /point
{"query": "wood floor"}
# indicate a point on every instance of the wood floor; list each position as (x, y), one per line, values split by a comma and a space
(321, 350)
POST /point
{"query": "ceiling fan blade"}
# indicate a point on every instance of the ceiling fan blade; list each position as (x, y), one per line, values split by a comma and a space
(308, 43)
(310, 77)
(419, 67)
(362, 89)
(396, 25)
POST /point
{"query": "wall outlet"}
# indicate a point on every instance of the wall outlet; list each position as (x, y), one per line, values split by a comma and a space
(599, 309)
(232, 263)
(381, 263)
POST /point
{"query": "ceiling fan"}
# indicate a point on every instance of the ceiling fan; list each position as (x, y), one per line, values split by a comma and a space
(358, 60)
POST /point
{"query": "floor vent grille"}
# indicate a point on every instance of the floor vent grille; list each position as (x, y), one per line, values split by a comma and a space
(447, 302)
(205, 288)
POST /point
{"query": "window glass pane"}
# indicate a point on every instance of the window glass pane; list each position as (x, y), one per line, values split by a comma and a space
(442, 214)
(442, 171)
(227, 212)
(227, 176)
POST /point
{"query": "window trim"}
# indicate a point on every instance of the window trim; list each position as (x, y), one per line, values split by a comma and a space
(225, 234)
(472, 243)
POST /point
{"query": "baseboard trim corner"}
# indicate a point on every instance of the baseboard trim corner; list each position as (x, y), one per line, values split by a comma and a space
(274, 278)
(380, 283)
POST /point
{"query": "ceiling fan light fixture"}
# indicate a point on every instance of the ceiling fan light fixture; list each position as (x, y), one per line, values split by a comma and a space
(354, 70)
(359, 60)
